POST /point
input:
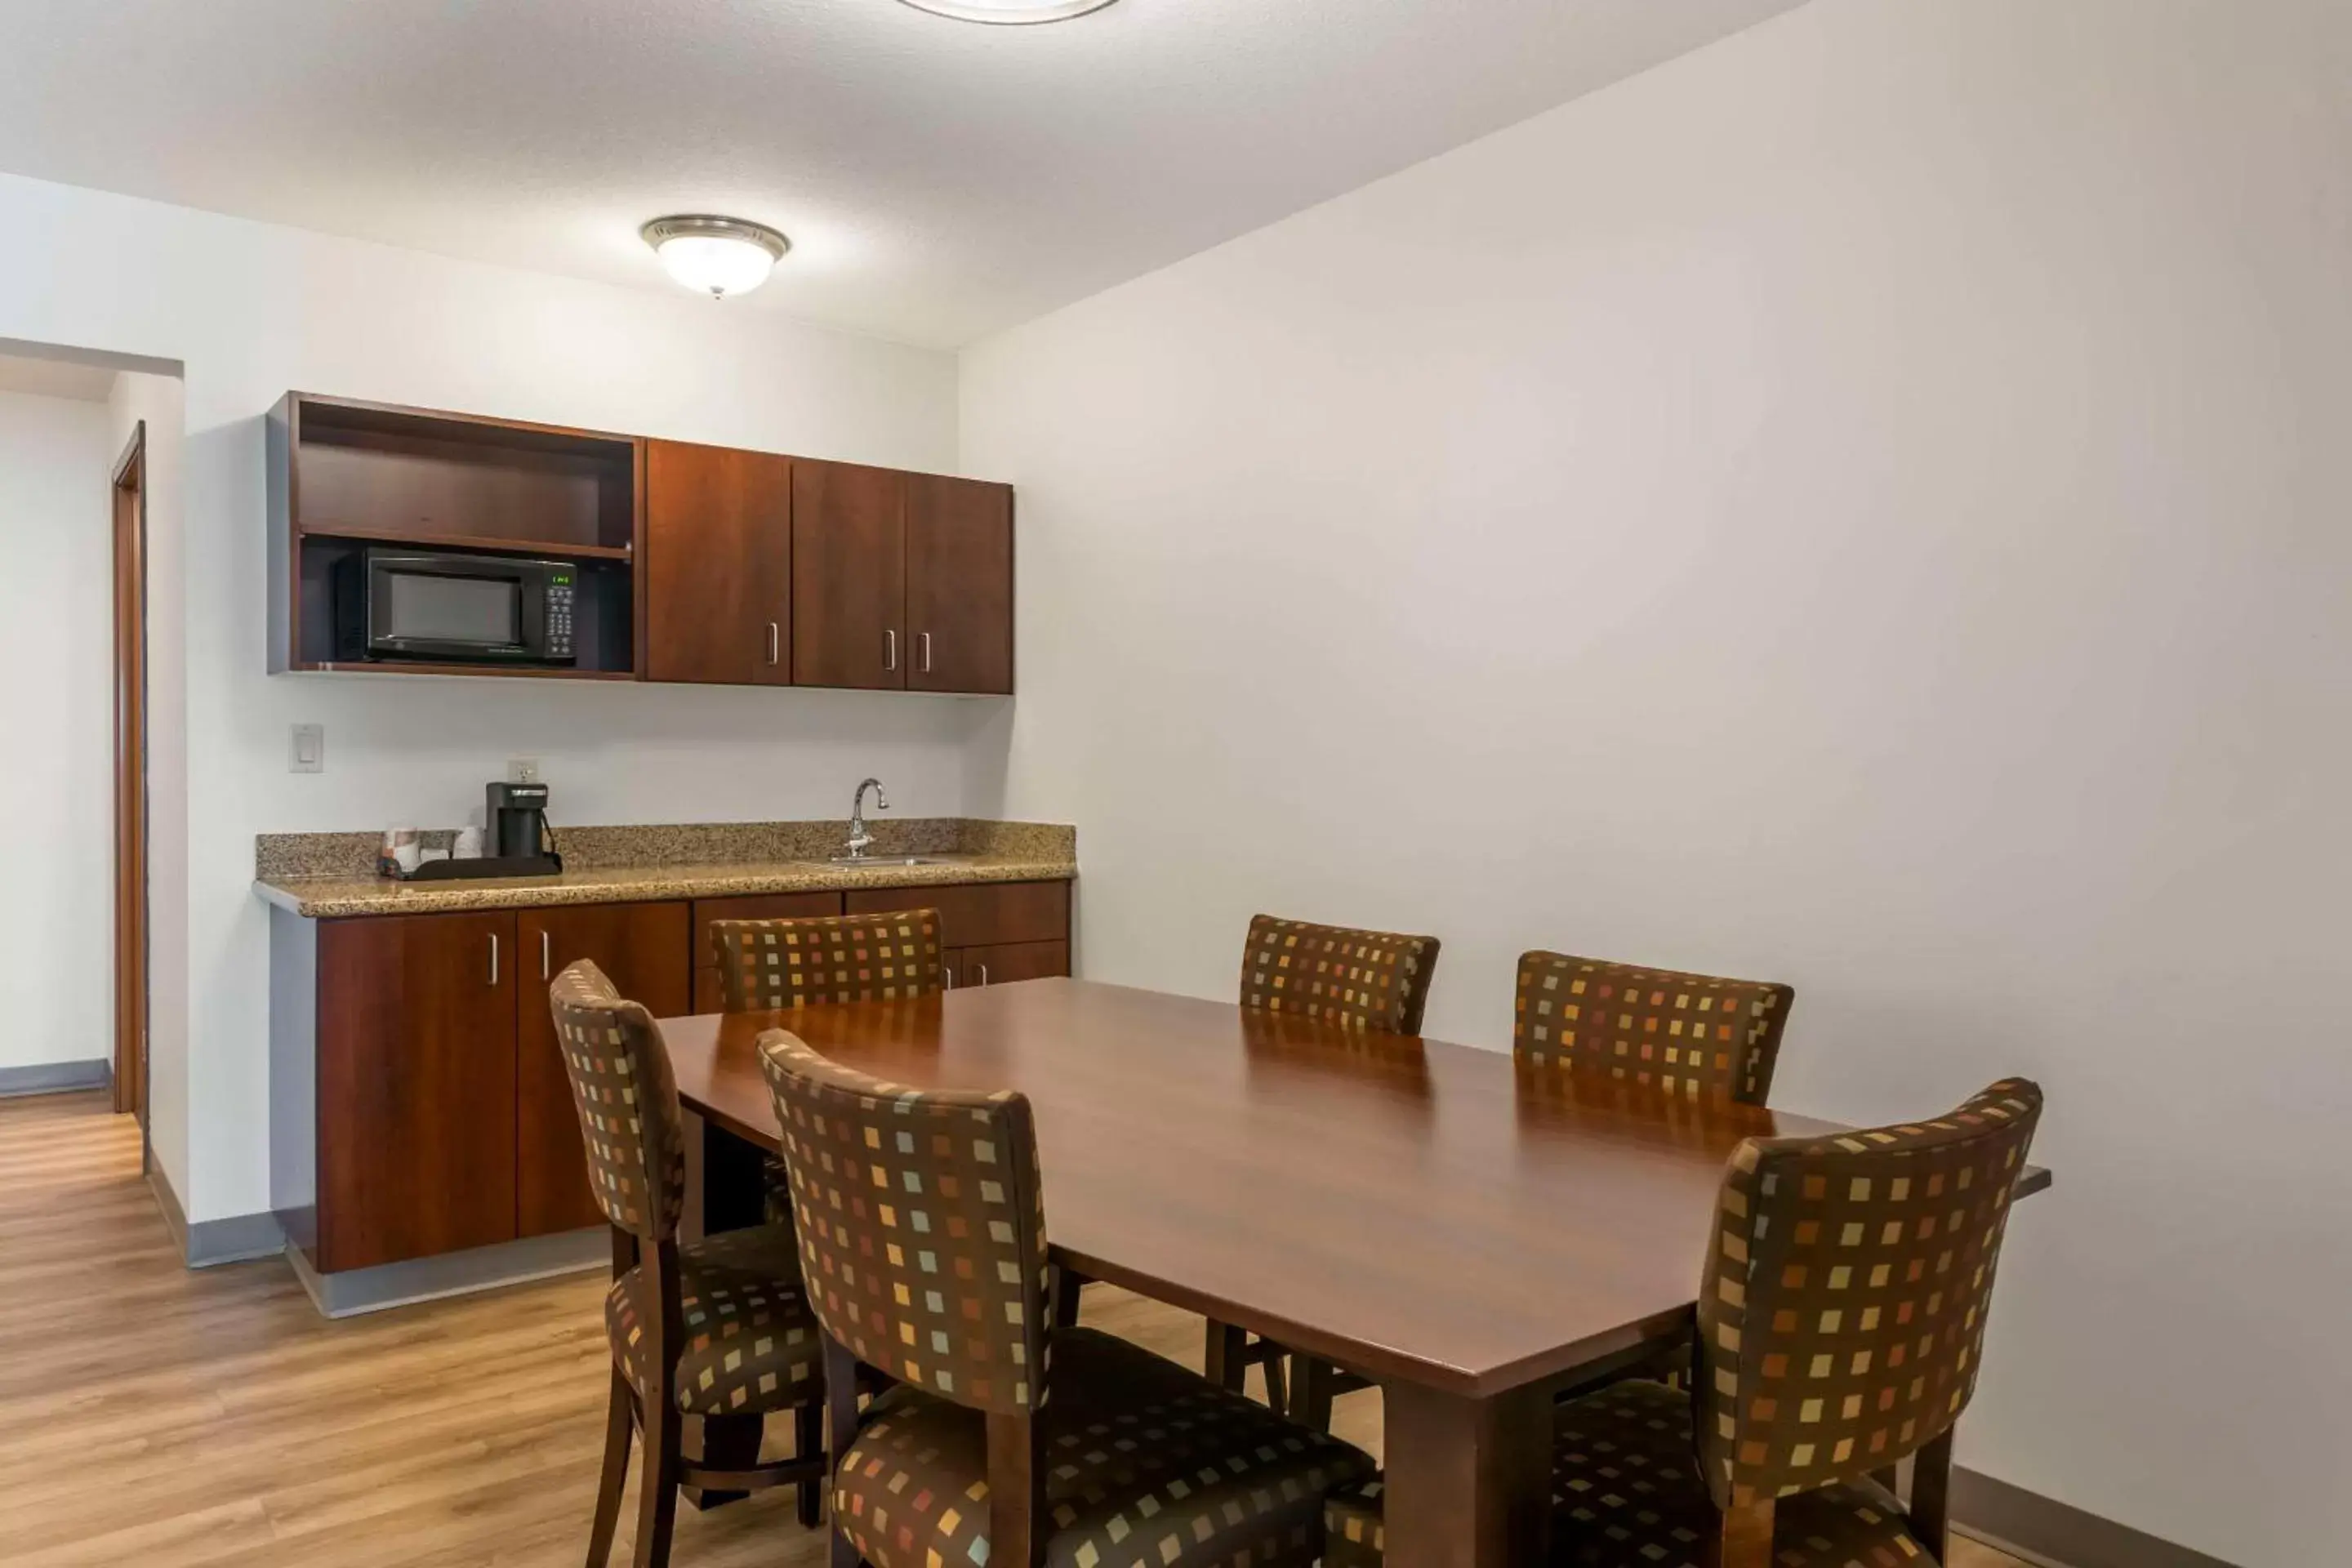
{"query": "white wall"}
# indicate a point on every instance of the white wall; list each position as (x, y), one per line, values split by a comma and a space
(1863, 505)
(252, 310)
(56, 934)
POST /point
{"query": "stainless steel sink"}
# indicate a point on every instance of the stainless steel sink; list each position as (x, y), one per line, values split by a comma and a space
(886, 860)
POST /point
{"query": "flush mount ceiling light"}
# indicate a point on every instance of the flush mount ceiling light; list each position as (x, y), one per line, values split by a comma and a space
(716, 255)
(1009, 12)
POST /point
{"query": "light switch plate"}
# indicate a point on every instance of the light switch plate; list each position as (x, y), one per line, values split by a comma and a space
(310, 752)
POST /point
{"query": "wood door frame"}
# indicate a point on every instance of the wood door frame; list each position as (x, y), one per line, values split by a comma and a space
(131, 922)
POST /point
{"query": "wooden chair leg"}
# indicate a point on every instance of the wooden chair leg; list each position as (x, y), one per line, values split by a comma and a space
(1067, 1285)
(1931, 1497)
(657, 1483)
(1017, 1521)
(620, 1422)
(841, 1421)
(1221, 1359)
(1311, 1391)
(1746, 1538)
(808, 1438)
(1277, 1379)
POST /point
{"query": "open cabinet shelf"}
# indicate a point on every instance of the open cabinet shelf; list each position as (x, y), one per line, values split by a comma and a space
(345, 477)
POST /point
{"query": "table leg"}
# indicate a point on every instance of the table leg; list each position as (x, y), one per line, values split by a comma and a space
(1469, 1481)
(723, 1187)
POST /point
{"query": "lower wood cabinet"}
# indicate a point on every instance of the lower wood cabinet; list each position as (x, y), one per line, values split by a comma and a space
(643, 949)
(419, 1101)
(415, 1087)
(1000, 963)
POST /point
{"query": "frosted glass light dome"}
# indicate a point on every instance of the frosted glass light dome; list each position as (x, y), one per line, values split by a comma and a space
(716, 255)
(1009, 11)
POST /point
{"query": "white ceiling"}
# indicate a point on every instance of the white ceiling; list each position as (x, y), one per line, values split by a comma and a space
(941, 180)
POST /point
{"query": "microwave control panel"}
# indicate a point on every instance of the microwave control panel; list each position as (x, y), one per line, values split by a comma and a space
(559, 618)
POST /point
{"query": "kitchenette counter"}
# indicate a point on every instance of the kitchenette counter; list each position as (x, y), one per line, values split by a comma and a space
(325, 876)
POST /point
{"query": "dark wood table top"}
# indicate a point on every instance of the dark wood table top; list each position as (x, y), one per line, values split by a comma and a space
(1417, 1210)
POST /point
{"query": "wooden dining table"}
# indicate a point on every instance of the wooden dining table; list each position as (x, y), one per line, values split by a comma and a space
(1474, 1234)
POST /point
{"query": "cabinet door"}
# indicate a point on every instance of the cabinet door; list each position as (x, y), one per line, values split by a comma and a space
(849, 576)
(708, 996)
(718, 564)
(643, 949)
(959, 584)
(416, 1086)
(1011, 960)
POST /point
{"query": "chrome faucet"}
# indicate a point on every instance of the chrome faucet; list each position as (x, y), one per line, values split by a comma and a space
(860, 839)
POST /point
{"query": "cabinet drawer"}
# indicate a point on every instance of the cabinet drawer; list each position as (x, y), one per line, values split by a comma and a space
(983, 915)
(708, 995)
(1005, 962)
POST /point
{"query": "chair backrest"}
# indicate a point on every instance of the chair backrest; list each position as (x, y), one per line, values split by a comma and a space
(1333, 974)
(1686, 1034)
(627, 1099)
(889, 957)
(1842, 1309)
(922, 1227)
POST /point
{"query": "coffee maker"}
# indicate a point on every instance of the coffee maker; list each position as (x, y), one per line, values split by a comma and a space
(514, 821)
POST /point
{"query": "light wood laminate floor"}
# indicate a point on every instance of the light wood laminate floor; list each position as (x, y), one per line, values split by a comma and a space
(155, 1415)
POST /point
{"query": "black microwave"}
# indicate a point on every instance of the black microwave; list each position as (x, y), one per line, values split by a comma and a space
(454, 609)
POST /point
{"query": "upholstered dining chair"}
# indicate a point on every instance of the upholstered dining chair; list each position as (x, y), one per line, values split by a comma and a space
(717, 1328)
(819, 960)
(1008, 1440)
(1686, 1034)
(1376, 981)
(1841, 1324)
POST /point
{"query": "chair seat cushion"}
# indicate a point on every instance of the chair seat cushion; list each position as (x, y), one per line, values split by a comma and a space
(1627, 1493)
(1145, 1463)
(751, 1344)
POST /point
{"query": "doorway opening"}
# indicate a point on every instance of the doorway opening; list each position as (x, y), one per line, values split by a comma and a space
(130, 784)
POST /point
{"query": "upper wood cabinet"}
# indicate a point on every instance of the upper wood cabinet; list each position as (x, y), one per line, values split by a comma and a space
(900, 581)
(704, 564)
(959, 584)
(849, 576)
(718, 565)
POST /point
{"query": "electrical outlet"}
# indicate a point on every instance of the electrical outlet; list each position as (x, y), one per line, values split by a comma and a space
(522, 770)
(310, 752)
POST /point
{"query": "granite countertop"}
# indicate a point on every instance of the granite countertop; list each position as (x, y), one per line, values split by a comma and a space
(330, 876)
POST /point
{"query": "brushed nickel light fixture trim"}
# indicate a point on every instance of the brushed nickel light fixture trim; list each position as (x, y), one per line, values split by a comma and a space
(1009, 13)
(716, 255)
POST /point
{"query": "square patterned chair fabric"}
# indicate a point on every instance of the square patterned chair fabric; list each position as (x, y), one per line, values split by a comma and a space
(1355, 979)
(1687, 1034)
(820, 960)
(765, 964)
(1009, 1441)
(1842, 1319)
(716, 1328)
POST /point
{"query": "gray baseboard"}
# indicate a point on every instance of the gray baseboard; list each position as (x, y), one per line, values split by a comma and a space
(55, 1077)
(2055, 1534)
(239, 1238)
(357, 1290)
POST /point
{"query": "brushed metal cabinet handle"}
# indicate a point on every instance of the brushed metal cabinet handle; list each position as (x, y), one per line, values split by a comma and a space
(547, 955)
(946, 978)
(890, 649)
(983, 972)
(494, 960)
(927, 653)
(775, 641)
